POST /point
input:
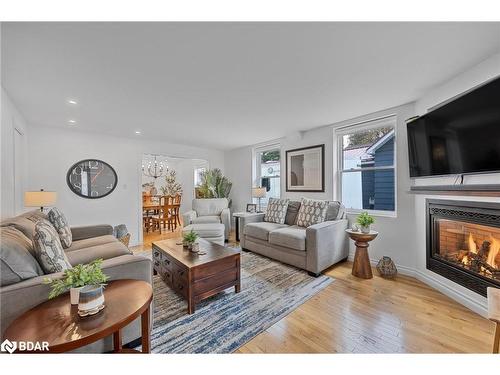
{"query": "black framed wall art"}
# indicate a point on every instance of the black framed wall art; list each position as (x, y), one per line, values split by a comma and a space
(92, 178)
(305, 169)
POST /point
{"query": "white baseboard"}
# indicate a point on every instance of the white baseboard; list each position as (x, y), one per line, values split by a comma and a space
(434, 282)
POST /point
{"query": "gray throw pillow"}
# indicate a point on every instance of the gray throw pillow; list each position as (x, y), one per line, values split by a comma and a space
(25, 222)
(48, 249)
(276, 210)
(16, 260)
(311, 212)
(332, 211)
(291, 212)
(58, 220)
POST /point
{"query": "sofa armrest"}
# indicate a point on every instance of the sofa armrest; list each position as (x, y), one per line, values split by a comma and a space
(188, 217)
(20, 297)
(244, 220)
(225, 218)
(326, 244)
(90, 231)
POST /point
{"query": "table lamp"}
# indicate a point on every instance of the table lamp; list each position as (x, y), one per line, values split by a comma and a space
(39, 199)
(259, 192)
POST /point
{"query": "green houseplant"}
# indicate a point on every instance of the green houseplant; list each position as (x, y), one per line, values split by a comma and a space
(189, 239)
(76, 278)
(214, 184)
(365, 220)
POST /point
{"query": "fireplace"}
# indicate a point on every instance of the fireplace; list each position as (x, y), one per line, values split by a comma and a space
(463, 242)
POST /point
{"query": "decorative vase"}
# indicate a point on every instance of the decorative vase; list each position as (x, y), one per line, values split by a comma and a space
(386, 267)
(190, 245)
(195, 248)
(91, 300)
(365, 228)
(74, 295)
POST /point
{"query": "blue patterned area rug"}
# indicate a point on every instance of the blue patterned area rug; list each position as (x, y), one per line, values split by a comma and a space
(221, 324)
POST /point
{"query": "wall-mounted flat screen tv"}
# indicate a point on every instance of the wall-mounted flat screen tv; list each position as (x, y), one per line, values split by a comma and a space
(462, 136)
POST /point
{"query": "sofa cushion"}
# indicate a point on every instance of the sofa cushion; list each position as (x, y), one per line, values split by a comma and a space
(291, 212)
(210, 207)
(206, 219)
(293, 237)
(311, 212)
(105, 251)
(276, 210)
(48, 249)
(334, 211)
(58, 220)
(25, 222)
(16, 257)
(90, 242)
(261, 230)
(206, 230)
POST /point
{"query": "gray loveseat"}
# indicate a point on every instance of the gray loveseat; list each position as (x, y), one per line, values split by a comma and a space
(313, 248)
(209, 211)
(21, 275)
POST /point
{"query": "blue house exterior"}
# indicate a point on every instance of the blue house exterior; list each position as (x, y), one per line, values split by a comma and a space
(378, 185)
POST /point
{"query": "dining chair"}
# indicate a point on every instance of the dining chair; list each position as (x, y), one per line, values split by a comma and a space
(165, 213)
(494, 315)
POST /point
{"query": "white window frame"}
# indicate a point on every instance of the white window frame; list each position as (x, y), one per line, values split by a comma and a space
(389, 120)
(256, 168)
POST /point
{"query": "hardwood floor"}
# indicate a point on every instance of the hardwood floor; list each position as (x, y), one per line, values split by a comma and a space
(371, 316)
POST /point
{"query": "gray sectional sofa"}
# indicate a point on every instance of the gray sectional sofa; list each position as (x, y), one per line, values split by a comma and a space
(314, 248)
(22, 278)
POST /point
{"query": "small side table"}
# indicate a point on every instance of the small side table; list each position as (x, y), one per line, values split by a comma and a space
(237, 216)
(57, 322)
(361, 266)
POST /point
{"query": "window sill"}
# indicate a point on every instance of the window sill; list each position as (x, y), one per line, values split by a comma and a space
(354, 211)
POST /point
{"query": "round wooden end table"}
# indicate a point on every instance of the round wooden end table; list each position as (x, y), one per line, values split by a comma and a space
(361, 266)
(57, 322)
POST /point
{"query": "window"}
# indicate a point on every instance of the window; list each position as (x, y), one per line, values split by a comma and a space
(197, 175)
(367, 173)
(267, 171)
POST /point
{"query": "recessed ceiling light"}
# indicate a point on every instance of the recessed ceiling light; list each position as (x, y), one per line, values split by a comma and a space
(72, 121)
(72, 101)
(137, 132)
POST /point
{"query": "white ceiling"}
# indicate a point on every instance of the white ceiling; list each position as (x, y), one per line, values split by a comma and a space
(225, 85)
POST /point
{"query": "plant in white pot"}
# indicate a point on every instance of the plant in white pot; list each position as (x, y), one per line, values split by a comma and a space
(364, 221)
(74, 279)
(189, 239)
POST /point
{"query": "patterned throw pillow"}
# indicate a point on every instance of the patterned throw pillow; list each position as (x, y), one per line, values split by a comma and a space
(276, 210)
(59, 222)
(311, 212)
(48, 249)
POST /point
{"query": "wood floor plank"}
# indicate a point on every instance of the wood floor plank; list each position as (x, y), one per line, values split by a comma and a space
(353, 315)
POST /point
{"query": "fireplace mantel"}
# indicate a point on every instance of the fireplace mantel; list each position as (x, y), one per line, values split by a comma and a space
(483, 190)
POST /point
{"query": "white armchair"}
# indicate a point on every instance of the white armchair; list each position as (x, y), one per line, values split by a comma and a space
(213, 210)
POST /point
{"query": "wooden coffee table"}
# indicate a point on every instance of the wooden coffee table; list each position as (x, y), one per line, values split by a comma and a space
(57, 321)
(195, 276)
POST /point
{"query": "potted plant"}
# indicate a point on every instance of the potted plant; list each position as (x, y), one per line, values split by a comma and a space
(365, 220)
(189, 239)
(76, 278)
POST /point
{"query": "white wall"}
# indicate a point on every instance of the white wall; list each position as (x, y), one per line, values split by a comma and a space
(52, 152)
(482, 72)
(14, 169)
(396, 233)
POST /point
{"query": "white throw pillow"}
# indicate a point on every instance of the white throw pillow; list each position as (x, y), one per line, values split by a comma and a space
(276, 210)
(311, 212)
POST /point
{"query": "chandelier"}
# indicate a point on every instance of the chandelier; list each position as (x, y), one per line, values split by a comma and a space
(154, 169)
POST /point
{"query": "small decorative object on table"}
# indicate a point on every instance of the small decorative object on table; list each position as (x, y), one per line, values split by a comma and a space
(91, 300)
(74, 279)
(365, 220)
(386, 267)
(251, 208)
(354, 228)
(189, 239)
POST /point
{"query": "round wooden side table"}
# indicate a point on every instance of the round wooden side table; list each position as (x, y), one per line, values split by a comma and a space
(361, 266)
(57, 322)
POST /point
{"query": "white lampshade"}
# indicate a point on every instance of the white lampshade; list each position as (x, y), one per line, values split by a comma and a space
(258, 192)
(494, 304)
(39, 198)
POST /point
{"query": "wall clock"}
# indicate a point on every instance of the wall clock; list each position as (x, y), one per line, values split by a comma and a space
(92, 178)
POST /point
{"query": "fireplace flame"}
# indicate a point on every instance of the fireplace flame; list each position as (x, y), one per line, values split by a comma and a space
(472, 244)
(494, 249)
